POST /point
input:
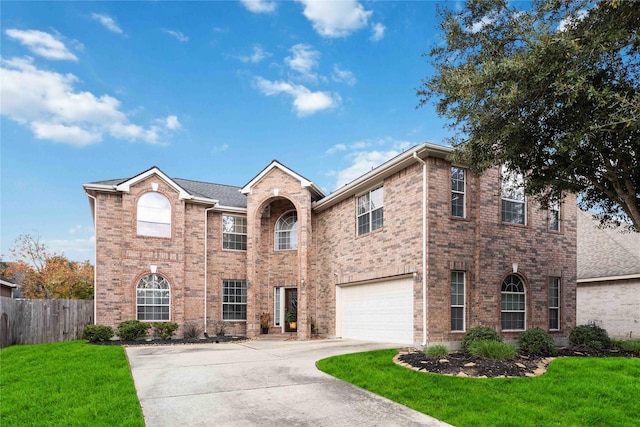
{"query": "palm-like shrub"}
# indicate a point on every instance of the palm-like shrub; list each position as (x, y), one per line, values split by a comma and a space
(479, 333)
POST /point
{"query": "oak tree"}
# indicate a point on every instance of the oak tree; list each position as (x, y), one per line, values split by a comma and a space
(550, 89)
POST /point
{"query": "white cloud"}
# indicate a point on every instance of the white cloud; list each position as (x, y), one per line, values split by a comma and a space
(336, 148)
(258, 55)
(572, 20)
(220, 148)
(172, 123)
(108, 22)
(178, 35)
(259, 6)
(48, 103)
(43, 44)
(344, 76)
(74, 249)
(304, 60)
(362, 161)
(335, 18)
(479, 26)
(377, 32)
(305, 102)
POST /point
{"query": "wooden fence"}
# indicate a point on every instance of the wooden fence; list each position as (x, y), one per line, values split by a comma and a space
(35, 321)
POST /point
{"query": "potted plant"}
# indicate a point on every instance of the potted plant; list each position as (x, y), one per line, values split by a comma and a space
(292, 318)
(265, 322)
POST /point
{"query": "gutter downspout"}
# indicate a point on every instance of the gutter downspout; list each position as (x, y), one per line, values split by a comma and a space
(425, 333)
(206, 264)
(95, 255)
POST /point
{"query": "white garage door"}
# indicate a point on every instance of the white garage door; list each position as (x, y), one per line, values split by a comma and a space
(380, 311)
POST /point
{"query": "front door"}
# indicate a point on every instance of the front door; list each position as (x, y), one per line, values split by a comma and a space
(291, 306)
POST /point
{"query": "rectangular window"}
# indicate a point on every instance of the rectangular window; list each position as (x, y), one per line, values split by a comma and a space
(457, 301)
(457, 192)
(234, 300)
(554, 304)
(554, 216)
(234, 232)
(370, 213)
(513, 198)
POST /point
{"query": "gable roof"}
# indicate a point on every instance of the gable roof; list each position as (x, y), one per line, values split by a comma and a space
(316, 192)
(606, 253)
(205, 192)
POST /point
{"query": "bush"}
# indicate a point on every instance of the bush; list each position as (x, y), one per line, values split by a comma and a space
(164, 330)
(219, 327)
(537, 342)
(590, 336)
(94, 333)
(436, 351)
(479, 333)
(493, 350)
(192, 329)
(631, 345)
(130, 330)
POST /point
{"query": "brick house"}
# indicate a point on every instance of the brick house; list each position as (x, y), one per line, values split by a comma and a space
(415, 251)
(608, 278)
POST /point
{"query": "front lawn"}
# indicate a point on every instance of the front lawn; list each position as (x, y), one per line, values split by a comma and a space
(67, 383)
(573, 392)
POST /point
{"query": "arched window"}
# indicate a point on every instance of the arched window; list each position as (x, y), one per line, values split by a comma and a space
(154, 215)
(286, 234)
(513, 305)
(153, 298)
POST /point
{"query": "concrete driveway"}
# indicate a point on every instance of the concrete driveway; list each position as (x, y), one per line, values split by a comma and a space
(258, 383)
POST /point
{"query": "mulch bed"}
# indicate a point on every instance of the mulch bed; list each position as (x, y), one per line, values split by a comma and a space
(465, 365)
(173, 341)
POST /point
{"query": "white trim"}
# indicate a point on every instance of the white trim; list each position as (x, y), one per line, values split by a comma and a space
(126, 185)
(609, 278)
(304, 183)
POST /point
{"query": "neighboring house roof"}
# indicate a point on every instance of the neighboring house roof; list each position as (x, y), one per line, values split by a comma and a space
(606, 253)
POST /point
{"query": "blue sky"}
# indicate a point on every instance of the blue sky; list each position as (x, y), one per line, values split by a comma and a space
(209, 91)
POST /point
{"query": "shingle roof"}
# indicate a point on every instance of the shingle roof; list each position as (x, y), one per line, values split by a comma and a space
(605, 252)
(227, 195)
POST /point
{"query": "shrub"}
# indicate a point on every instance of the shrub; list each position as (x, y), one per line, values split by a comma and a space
(493, 350)
(537, 342)
(631, 345)
(436, 351)
(130, 330)
(479, 333)
(591, 336)
(94, 333)
(219, 327)
(164, 330)
(192, 329)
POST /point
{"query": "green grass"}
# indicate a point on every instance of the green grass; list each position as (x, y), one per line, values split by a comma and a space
(68, 383)
(573, 391)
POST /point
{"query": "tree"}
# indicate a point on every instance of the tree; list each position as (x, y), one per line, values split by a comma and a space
(44, 274)
(552, 92)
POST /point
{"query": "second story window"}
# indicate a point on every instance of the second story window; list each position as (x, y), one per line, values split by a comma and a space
(370, 213)
(513, 198)
(554, 216)
(457, 192)
(154, 215)
(286, 233)
(234, 232)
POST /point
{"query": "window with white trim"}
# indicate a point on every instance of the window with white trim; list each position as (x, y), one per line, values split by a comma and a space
(458, 176)
(234, 232)
(457, 301)
(154, 215)
(554, 216)
(370, 211)
(286, 232)
(554, 304)
(153, 298)
(513, 304)
(234, 299)
(513, 198)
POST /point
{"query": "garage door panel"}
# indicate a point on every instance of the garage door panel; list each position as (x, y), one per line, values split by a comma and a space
(377, 312)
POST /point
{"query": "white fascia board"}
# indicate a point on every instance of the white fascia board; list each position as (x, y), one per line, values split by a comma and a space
(203, 200)
(230, 209)
(381, 172)
(609, 278)
(126, 185)
(304, 183)
(100, 187)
